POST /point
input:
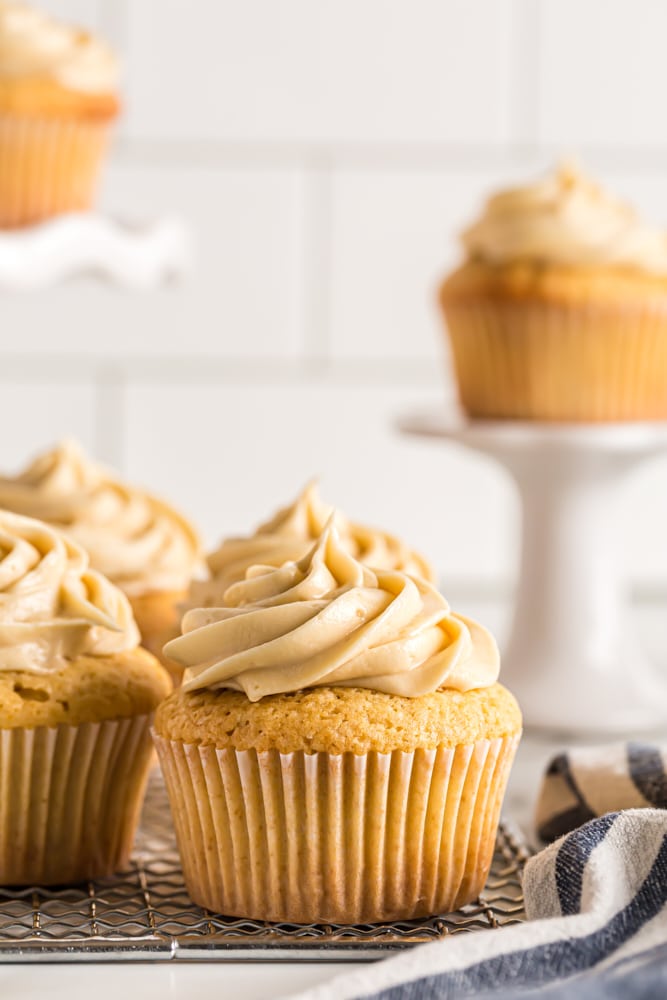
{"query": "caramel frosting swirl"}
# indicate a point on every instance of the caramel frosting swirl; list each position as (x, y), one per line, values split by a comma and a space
(133, 538)
(289, 535)
(53, 607)
(565, 218)
(328, 619)
(33, 45)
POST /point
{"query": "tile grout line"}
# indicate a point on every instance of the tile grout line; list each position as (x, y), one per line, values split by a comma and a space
(206, 369)
(174, 154)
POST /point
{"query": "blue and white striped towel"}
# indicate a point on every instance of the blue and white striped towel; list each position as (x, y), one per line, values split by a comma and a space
(596, 902)
(590, 781)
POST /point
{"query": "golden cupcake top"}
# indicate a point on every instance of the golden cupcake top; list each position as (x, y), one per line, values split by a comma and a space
(289, 535)
(138, 541)
(53, 606)
(565, 218)
(329, 620)
(35, 46)
(338, 720)
(87, 689)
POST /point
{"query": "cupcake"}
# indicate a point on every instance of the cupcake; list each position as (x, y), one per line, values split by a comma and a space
(289, 535)
(76, 697)
(57, 101)
(559, 311)
(339, 748)
(140, 543)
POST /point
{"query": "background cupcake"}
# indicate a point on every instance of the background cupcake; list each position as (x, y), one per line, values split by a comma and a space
(76, 697)
(559, 311)
(339, 749)
(139, 542)
(57, 99)
(289, 535)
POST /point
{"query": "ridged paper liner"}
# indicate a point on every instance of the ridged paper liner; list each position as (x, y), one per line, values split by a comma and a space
(346, 838)
(70, 798)
(579, 362)
(47, 166)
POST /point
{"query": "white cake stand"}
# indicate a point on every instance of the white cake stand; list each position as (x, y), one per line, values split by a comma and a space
(125, 254)
(572, 659)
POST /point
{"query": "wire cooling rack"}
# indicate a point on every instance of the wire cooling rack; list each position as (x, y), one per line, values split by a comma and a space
(144, 913)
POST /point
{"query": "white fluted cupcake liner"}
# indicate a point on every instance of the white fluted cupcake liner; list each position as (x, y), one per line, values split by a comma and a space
(576, 362)
(70, 798)
(345, 838)
(47, 166)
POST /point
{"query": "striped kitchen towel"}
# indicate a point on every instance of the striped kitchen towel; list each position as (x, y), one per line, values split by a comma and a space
(590, 781)
(596, 902)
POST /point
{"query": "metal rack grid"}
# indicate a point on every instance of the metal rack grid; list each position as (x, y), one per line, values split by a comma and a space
(144, 913)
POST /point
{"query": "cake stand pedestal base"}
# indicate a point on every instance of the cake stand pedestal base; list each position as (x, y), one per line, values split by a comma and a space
(572, 659)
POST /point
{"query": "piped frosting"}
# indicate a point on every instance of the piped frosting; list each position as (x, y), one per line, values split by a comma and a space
(138, 541)
(328, 619)
(289, 535)
(565, 218)
(53, 606)
(35, 46)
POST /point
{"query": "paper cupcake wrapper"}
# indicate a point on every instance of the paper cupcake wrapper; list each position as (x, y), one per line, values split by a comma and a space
(70, 798)
(47, 167)
(578, 362)
(348, 838)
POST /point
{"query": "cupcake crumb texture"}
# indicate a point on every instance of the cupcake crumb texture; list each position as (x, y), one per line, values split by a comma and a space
(89, 689)
(338, 720)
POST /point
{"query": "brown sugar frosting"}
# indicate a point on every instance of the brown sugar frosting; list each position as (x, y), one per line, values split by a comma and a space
(53, 606)
(35, 46)
(137, 541)
(289, 535)
(329, 620)
(568, 219)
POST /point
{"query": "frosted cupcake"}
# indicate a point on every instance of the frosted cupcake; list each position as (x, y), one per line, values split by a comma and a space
(76, 697)
(139, 542)
(339, 749)
(559, 311)
(58, 97)
(289, 535)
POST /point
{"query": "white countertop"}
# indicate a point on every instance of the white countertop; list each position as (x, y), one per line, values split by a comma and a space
(255, 980)
(164, 981)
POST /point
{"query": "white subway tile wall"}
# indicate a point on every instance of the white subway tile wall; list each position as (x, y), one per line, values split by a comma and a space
(394, 233)
(603, 72)
(325, 156)
(319, 71)
(244, 448)
(65, 408)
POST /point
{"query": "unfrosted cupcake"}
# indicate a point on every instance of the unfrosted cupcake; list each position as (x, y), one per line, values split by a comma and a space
(339, 749)
(76, 697)
(559, 311)
(290, 534)
(58, 97)
(139, 542)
